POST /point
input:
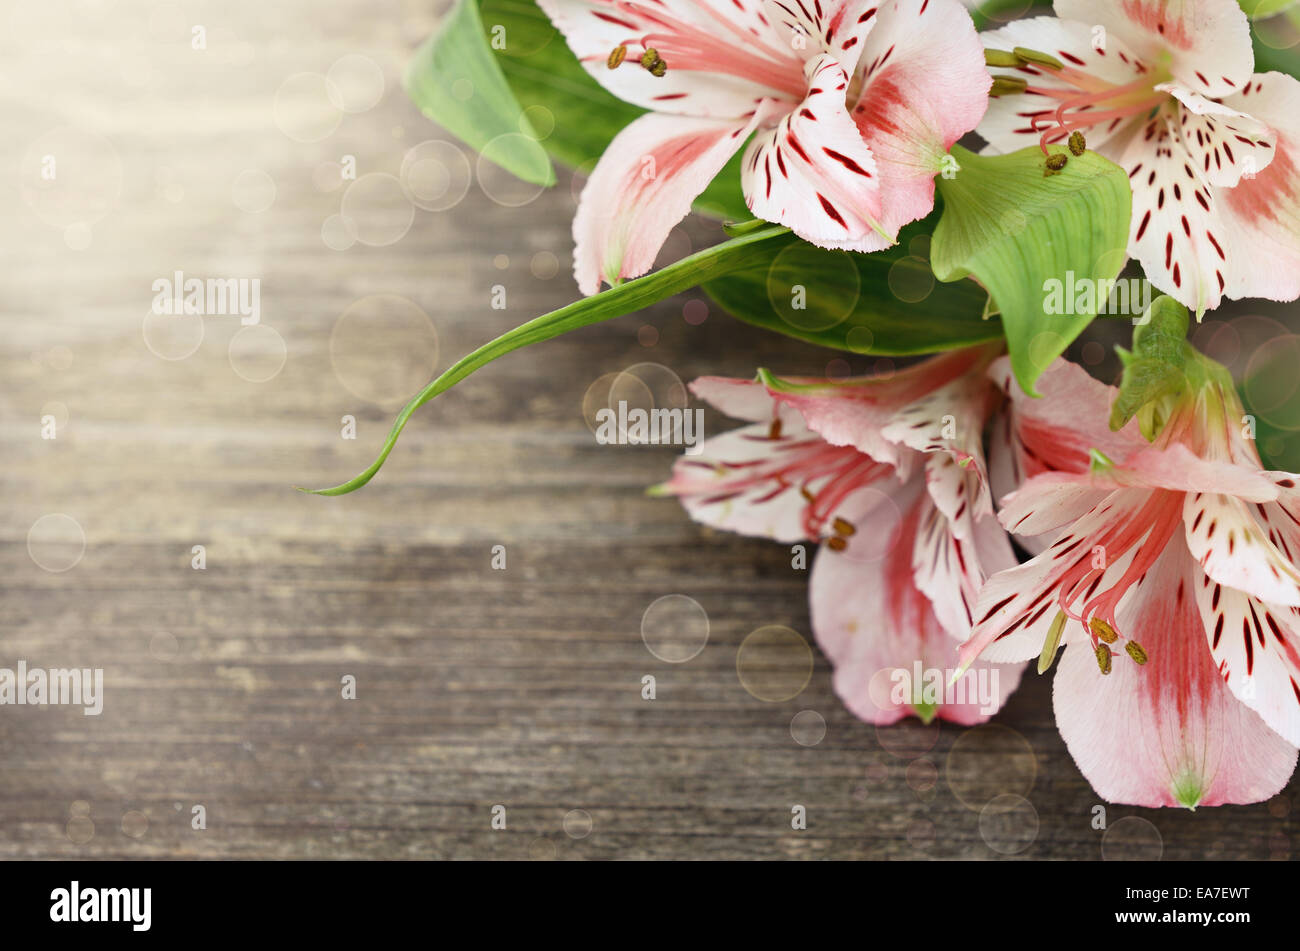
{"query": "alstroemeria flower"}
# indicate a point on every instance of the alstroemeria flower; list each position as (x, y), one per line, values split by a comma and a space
(1170, 578)
(852, 105)
(888, 473)
(1167, 90)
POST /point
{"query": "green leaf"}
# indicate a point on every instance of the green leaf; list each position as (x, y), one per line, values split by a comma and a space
(575, 115)
(1161, 368)
(457, 82)
(883, 303)
(623, 299)
(1017, 230)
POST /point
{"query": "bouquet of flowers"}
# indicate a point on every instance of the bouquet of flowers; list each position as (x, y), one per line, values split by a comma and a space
(991, 504)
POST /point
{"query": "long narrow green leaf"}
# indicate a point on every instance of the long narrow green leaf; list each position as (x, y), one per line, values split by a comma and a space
(615, 302)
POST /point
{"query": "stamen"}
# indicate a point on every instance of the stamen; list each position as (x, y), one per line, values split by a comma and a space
(843, 527)
(649, 57)
(1052, 643)
(1007, 86)
(659, 68)
(807, 496)
(774, 431)
(837, 543)
(616, 57)
(1037, 58)
(1055, 163)
(1103, 658)
(1103, 630)
(1001, 58)
(1136, 652)
(1078, 144)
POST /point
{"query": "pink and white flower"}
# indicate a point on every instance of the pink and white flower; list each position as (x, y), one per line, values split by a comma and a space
(852, 105)
(888, 474)
(1167, 90)
(1169, 576)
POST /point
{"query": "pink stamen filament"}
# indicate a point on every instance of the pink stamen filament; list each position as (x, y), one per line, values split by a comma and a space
(1127, 100)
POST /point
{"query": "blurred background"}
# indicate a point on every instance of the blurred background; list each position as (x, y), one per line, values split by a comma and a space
(380, 675)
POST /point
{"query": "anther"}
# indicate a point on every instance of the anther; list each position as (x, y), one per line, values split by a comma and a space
(1000, 58)
(1007, 86)
(843, 527)
(659, 68)
(1136, 652)
(1055, 163)
(774, 431)
(1078, 144)
(1037, 58)
(1103, 658)
(616, 57)
(837, 543)
(807, 496)
(1051, 643)
(1103, 630)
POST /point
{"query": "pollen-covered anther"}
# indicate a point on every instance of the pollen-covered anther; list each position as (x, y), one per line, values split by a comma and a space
(1007, 86)
(807, 496)
(774, 431)
(1078, 144)
(616, 57)
(659, 68)
(1103, 658)
(844, 527)
(1135, 651)
(1001, 58)
(837, 543)
(1055, 162)
(1103, 630)
(649, 57)
(1038, 59)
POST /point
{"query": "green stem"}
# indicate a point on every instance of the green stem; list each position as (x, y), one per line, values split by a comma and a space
(615, 302)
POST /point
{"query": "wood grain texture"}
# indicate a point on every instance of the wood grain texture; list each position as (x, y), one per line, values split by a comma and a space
(475, 687)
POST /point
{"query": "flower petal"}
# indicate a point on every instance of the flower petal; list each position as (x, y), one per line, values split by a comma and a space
(1232, 547)
(1260, 218)
(1207, 42)
(834, 27)
(1168, 732)
(924, 86)
(1256, 650)
(722, 60)
(812, 172)
(873, 623)
(642, 187)
(1224, 144)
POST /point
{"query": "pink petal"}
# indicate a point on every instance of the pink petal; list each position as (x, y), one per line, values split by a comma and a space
(1169, 732)
(856, 411)
(642, 187)
(871, 621)
(1260, 218)
(924, 86)
(739, 399)
(1207, 42)
(1234, 549)
(722, 58)
(1256, 650)
(812, 172)
(834, 27)
(1057, 429)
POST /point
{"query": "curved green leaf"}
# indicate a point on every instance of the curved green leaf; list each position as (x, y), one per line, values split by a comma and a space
(884, 303)
(1018, 230)
(615, 302)
(457, 82)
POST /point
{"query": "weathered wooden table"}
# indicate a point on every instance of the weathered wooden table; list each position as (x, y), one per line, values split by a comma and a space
(475, 687)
